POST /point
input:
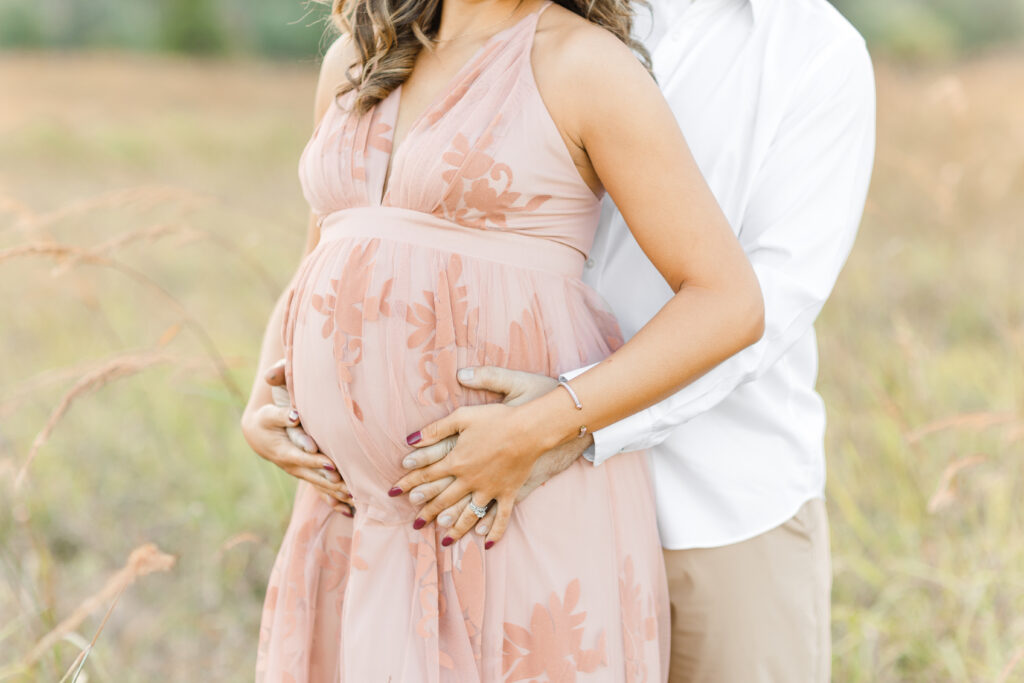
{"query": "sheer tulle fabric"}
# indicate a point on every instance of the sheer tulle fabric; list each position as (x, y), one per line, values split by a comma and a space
(472, 258)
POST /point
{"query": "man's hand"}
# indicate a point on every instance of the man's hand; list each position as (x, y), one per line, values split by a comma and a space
(275, 433)
(518, 388)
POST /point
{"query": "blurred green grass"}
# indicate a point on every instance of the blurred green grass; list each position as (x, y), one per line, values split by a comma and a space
(906, 29)
(927, 324)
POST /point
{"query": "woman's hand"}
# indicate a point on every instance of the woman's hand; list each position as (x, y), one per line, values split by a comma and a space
(275, 433)
(491, 461)
(518, 388)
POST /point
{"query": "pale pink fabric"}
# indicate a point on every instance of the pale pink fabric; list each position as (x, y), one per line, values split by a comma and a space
(472, 256)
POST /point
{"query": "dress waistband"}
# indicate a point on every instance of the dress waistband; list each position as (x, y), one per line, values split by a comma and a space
(416, 227)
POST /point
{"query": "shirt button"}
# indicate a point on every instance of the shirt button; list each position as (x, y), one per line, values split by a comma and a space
(589, 263)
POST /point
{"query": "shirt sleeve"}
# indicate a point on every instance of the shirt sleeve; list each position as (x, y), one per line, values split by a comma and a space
(805, 206)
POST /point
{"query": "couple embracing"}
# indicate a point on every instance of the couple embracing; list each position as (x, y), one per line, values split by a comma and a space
(547, 366)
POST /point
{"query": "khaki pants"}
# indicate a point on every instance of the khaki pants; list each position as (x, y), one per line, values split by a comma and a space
(757, 611)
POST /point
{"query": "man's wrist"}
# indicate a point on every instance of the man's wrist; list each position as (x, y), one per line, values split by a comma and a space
(587, 446)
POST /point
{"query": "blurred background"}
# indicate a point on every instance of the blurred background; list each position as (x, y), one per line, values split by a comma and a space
(150, 214)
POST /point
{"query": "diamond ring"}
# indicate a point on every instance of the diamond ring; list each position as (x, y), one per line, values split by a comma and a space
(477, 510)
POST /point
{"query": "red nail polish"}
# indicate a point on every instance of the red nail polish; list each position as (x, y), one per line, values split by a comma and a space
(419, 524)
(395, 491)
(329, 466)
(413, 438)
(487, 546)
(447, 541)
(293, 415)
(347, 513)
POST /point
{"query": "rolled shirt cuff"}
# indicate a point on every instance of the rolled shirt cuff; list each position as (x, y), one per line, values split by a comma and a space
(618, 437)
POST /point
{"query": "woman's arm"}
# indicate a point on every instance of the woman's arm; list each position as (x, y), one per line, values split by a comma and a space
(263, 423)
(332, 72)
(614, 111)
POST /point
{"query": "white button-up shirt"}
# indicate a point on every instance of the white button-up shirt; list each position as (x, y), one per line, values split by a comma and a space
(776, 100)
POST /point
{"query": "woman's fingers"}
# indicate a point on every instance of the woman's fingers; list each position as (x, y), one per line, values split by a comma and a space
(330, 475)
(287, 455)
(485, 524)
(319, 478)
(317, 474)
(448, 517)
(275, 374)
(339, 490)
(435, 431)
(465, 521)
(427, 492)
(449, 497)
(428, 455)
(338, 506)
(334, 482)
(270, 415)
(504, 514)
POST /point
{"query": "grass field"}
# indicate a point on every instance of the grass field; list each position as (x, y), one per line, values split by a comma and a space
(150, 213)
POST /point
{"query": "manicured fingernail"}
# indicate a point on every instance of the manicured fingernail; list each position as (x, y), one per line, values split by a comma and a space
(416, 497)
(413, 438)
(347, 513)
(329, 466)
(419, 523)
(395, 491)
(409, 463)
(465, 374)
(293, 415)
(488, 545)
(447, 541)
(445, 520)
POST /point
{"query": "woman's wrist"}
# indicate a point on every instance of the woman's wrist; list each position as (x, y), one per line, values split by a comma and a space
(549, 420)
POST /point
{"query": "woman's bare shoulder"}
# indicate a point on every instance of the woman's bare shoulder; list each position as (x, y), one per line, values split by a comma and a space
(338, 58)
(578, 65)
(571, 47)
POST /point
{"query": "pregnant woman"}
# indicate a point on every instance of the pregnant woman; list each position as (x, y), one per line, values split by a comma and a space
(455, 190)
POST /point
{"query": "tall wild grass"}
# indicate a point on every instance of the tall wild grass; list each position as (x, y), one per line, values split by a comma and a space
(150, 213)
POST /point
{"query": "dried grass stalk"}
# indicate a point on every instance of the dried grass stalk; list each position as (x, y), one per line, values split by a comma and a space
(118, 367)
(63, 251)
(965, 420)
(145, 235)
(1004, 676)
(46, 248)
(238, 539)
(15, 396)
(946, 493)
(144, 197)
(145, 559)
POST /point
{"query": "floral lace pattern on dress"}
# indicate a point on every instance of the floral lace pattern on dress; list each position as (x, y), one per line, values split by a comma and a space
(480, 191)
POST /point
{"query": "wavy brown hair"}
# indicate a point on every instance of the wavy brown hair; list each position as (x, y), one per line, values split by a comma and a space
(389, 34)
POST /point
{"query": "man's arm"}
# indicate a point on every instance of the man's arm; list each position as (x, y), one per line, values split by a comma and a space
(800, 224)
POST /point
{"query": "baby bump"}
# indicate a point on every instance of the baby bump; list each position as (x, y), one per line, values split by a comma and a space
(376, 330)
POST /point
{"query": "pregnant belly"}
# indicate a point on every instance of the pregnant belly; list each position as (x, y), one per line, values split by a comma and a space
(377, 328)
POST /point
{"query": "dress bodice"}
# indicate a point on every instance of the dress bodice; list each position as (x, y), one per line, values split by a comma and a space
(485, 154)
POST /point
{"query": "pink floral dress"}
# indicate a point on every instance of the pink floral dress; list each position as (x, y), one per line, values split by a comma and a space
(472, 256)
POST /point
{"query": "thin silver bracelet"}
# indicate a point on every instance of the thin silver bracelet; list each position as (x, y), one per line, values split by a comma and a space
(576, 400)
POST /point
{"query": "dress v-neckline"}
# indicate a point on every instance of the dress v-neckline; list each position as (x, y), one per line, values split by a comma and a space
(441, 94)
